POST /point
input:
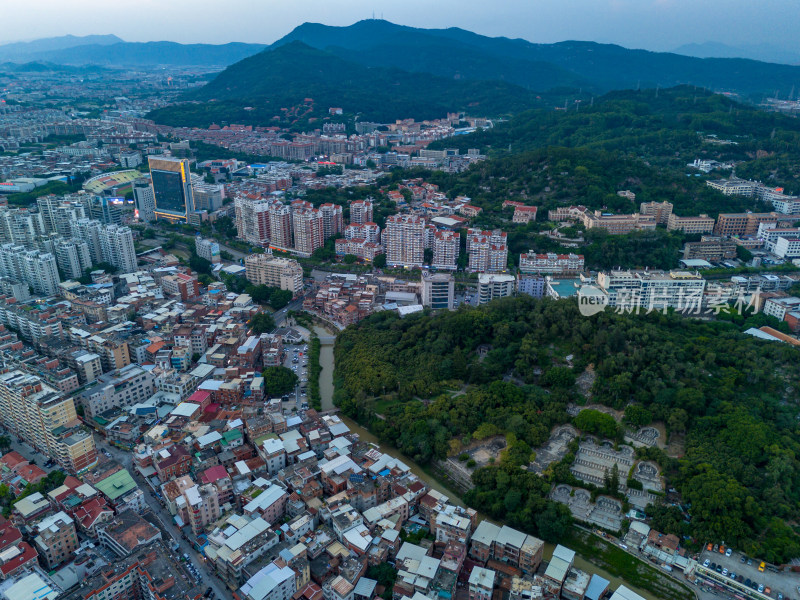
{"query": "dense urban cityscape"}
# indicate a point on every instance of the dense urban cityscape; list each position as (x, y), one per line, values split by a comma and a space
(456, 341)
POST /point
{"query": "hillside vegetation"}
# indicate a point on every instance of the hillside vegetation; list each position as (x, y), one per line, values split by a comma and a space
(273, 86)
(734, 397)
(455, 52)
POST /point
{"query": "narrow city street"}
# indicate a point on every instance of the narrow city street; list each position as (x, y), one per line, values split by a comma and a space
(184, 547)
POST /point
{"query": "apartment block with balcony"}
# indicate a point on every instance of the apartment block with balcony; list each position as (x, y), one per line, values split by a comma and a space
(266, 269)
(481, 584)
(124, 387)
(660, 211)
(551, 263)
(698, 224)
(198, 506)
(446, 246)
(56, 539)
(44, 419)
(747, 223)
(404, 240)
(361, 212)
(309, 230)
(488, 251)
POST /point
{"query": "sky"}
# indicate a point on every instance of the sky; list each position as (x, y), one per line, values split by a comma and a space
(650, 24)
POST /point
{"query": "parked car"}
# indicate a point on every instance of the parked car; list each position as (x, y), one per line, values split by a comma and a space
(762, 566)
(728, 552)
(760, 588)
(706, 562)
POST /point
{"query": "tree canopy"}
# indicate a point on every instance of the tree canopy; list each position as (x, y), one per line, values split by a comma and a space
(735, 397)
(279, 381)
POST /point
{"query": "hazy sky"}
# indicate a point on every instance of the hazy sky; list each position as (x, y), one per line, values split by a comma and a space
(652, 24)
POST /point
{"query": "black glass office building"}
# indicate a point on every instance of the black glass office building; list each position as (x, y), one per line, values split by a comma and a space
(172, 188)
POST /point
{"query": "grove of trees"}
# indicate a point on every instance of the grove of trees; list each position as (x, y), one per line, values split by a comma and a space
(734, 398)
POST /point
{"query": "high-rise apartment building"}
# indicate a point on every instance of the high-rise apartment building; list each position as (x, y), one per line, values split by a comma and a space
(366, 231)
(280, 225)
(144, 199)
(361, 212)
(208, 196)
(20, 226)
(38, 414)
(445, 249)
(438, 290)
(101, 209)
(253, 218)
(266, 269)
(404, 239)
(59, 212)
(89, 231)
(37, 269)
(172, 188)
(309, 230)
(116, 243)
(332, 219)
(488, 251)
(73, 257)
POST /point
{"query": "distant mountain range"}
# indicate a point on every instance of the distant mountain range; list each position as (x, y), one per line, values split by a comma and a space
(110, 50)
(762, 52)
(31, 51)
(382, 71)
(599, 67)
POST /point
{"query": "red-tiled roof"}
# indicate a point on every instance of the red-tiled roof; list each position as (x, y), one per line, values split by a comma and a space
(12, 459)
(27, 555)
(9, 536)
(214, 474)
(88, 512)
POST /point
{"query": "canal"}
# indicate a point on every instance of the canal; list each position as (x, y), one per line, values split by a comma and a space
(326, 394)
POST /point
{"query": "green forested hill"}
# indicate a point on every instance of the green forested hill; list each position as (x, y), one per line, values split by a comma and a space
(669, 126)
(272, 83)
(734, 397)
(455, 52)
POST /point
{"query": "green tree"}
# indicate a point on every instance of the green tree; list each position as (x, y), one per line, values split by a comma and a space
(200, 264)
(262, 323)
(380, 261)
(637, 416)
(279, 381)
(349, 259)
(596, 422)
(280, 298)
